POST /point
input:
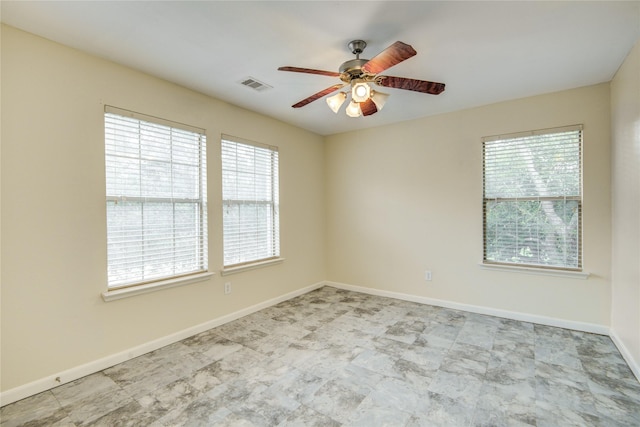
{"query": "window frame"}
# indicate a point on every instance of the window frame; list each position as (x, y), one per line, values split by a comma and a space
(231, 171)
(579, 199)
(198, 238)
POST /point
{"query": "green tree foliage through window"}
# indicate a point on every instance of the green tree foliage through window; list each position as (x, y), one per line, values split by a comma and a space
(533, 198)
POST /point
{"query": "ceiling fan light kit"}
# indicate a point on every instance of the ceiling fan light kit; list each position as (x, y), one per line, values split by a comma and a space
(360, 90)
(361, 73)
(335, 102)
(379, 98)
(353, 109)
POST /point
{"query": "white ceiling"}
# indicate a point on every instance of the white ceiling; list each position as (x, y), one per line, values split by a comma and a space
(484, 52)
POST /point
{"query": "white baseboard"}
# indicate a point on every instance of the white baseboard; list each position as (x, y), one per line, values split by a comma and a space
(626, 354)
(542, 320)
(54, 380)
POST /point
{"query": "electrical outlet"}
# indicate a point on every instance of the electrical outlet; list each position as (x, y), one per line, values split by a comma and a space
(427, 275)
(227, 288)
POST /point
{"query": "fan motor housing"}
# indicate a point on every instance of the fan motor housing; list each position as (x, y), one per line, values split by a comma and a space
(352, 69)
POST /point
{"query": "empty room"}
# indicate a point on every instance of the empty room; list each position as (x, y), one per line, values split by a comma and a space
(320, 213)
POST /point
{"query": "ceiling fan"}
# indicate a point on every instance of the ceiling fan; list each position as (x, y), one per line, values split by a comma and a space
(359, 73)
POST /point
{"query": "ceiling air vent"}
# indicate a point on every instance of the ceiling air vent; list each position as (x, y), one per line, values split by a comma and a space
(254, 84)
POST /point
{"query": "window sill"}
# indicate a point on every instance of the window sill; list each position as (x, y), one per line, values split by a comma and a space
(259, 264)
(116, 294)
(536, 271)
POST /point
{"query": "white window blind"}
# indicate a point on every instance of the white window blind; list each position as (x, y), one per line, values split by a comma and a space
(532, 204)
(251, 230)
(156, 198)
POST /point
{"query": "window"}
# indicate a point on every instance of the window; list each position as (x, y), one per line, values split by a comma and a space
(532, 204)
(250, 202)
(156, 198)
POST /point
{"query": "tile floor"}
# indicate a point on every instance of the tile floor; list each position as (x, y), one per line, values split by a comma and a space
(339, 358)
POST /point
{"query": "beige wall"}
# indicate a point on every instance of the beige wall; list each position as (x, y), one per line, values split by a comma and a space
(53, 210)
(625, 123)
(407, 198)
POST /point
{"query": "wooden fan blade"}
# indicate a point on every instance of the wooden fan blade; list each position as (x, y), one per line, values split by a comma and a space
(423, 86)
(394, 54)
(368, 107)
(309, 71)
(318, 95)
